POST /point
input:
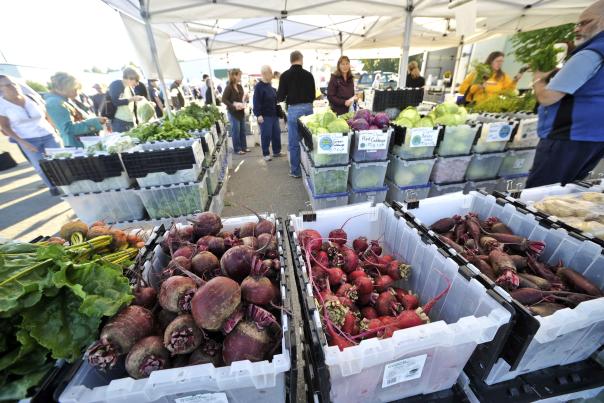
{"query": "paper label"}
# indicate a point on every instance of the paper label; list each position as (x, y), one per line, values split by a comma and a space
(403, 370)
(423, 137)
(205, 398)
(332, 143)
(499, 131)
(372, 140)
(519, 163)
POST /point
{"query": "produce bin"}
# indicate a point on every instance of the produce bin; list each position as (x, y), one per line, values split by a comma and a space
(568, 335)
(304, 158)
(323, 201)
(212, 176)
(450, 169)
(330, 149)
(512, 183)
(86, 174)
(408, 173)
(484, 166)
(368, 175)
(406, 193)
(329, 180)
(517, 162)
(217, 200)
(406, 146)
(242, 381)
(526, 135)
(457, 140)
(109, 206)
(370, 145)
(488, 186)
(376, 195)
(438, 190)
(175, 200)
(414, 361)
(494, 136)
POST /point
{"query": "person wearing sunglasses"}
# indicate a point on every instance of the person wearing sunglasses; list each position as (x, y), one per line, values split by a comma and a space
(121, 94)
(24, 120)
(571, 102)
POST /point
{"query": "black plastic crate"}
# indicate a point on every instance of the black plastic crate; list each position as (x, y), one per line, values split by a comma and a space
(141, 163)
(400, 98)
(65, 171)
(6, 161)
(305, 135)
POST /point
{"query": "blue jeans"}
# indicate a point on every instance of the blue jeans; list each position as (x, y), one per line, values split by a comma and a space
(121, 126)
(237, 133)
(41, 143)
(270, 133)
(293, 139)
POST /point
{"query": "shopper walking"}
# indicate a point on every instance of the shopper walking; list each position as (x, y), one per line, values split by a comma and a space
(234, 98)
(265, 110)
(123, 100)
(340, 90)
(177, 96)
(414, 77)
(71, 120)
(156, 97)
(23, 119)
(99, 98)
(572, 135)
(497, 83)
(297, 89)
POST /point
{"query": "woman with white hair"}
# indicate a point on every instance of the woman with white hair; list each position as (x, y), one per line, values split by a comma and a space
(71, 120)
(265, 110)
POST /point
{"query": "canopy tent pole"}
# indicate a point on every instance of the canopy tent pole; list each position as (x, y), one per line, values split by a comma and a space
(402, 68)
(341, 44)
(457, 64)
(155, 57)
(211, 73)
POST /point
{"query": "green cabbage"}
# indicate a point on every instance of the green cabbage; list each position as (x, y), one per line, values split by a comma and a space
(409, 113)
(403, 122)
(327, 118)
(425, 122)
(338, 126)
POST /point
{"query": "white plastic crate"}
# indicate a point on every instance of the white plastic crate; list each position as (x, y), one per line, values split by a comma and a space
(174, 200)
(494, 136)
(323, 201)
(517, 162)
(450, 169)
(87, 186)
(439, 190)
(212, 176)
(526, 135)
(162, 178)
(464, 318)
(376, 195)
(408, 173)
(567, 336)
(110, 206)
(539, 193)
(217, 202)
(457, 140)
(241, 382)
(487, 186)
(406, 193)
(329, 180)
(484, 166)
(368, 175)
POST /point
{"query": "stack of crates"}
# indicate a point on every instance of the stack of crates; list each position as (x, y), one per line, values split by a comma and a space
(369, 155)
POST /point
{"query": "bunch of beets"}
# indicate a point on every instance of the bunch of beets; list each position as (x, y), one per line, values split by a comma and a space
(513, 263)
(217, 302)
(355, 288)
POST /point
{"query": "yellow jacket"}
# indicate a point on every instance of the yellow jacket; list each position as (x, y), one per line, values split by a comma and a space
(492, 86)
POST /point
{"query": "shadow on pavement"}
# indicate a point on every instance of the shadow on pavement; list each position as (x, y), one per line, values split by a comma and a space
(41, 221)
(26, 208)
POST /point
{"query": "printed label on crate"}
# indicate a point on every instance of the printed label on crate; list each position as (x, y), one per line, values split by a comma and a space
(332, 143)
(499, 131)
(205, 398)
(403, 370)
(372, 140)
(519, 163)
(423, 137)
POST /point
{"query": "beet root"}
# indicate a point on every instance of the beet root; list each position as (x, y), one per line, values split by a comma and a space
(215, 302)
(267, 246)
(205, 264)
(257, 290)
(146, 356)
(145, 297)
(264, 227)
(176, 292)
(210, 352)
(236, 262)
(246, 342)
(211, 243)
(360, 244)
(206, 223)
(182, 335)
(119, 335)
(338, 236)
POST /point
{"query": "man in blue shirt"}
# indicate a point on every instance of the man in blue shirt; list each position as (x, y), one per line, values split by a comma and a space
(571, 106)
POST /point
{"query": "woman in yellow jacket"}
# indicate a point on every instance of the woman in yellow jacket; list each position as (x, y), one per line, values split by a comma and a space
(497, 83)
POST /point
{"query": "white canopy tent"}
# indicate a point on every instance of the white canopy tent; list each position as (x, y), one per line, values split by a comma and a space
(350, 24)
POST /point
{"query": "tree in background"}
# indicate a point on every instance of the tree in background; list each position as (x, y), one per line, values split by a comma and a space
(371, 65)
(536, 48)
(39, 88)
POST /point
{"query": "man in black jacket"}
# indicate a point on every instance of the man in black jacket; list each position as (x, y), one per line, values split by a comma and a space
(297, 89)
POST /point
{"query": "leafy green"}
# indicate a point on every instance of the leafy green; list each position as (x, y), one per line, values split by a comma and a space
(536, 48)
(483, 72)
(15, 389)
(507, 101)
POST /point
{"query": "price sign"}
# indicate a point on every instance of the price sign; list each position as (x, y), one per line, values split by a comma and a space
(332, 143)
(499, 131)
(372, 140)
(403, 370)
(422, 137)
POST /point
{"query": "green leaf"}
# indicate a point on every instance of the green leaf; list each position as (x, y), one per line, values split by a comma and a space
(57, 324)
(25, 291)
(18, 247)
(17, 389)
(101, 286)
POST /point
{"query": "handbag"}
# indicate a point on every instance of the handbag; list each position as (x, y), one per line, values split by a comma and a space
(107, 108)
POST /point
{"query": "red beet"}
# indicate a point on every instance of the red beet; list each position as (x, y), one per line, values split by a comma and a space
(397, 270)
(182, 335)
(360, 244)
(250, 241)
(505, 269)
(215, 302)
(119, 335)
(187, 251)
(376, 248)
(310, 239)
(366, 299)
(410, 301)
(210, 352)
(145, 296)
(369, 312)
(264, 227)
(267, 246)
(336, 339)
(338, 236)
(353, 275)
(237, 262)
(337, 277)
(364, 285)
(349, 322)
(177, 236)
(246, 342)
(257, 290)
(419, 316)
(348, 291)
(206, 223)
(387, 305)
(205, 264)
(351, 260)
(181, 262)
(146, 356)
(213, 244)
(176, 292)
(382, 283)
(247, 229)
